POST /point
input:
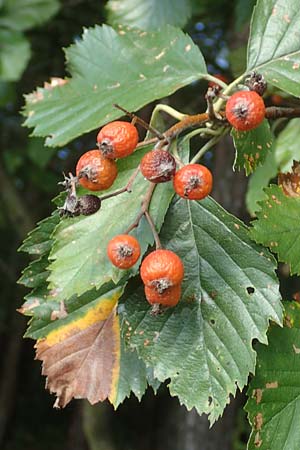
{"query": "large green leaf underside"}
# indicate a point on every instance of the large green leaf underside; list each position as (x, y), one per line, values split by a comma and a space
(148, 14)
(25, 14)
(274, 44)
(230, 292)
(287, 148)
(274, 392)
(277, 226)
(252, 147)
(79, 259)
(131, 68)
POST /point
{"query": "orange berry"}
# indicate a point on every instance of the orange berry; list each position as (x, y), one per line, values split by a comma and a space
(169, 297)
(245, 110)
(162, 269)
(123, 251)
(193, 182)
(95, 172)
(117, 139)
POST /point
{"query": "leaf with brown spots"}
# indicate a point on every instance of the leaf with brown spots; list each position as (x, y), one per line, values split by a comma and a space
(274, 394)
(277, 226)
(290, 182)
(252, 147)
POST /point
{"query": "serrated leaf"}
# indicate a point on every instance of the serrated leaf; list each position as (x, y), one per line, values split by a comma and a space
(14, 54)
(39, 241)
(252, 146)
(79, 251)
(274, 43)
(258, 181)
(274, 393)
(230, 292)
(24, 14)
(35, 274)
(287, 146)
(277, 226)
(83, 356)
(131, 68)
(148, 14)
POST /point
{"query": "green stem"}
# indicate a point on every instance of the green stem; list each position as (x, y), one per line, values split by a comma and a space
(216, 80)
(169, 110)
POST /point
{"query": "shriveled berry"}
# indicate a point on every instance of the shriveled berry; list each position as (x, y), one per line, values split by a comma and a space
(158, 166)
(123, 251)
(169, 297)
(193, 182)
(117, 139)
(95, 172)
(87, 204)
(161, 270)
(245, 110)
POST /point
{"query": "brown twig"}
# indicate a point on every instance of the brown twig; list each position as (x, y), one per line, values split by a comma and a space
(126, 188)
(153, 229)
(140, 121)
(144, 208)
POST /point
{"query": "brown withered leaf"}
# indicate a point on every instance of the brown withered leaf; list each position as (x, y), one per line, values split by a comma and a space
(290, 182)
(81, 358)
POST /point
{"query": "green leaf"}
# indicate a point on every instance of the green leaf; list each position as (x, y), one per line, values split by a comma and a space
(252, 146)
(287, 146)
(38, 153)
(277, 226)
(274, 43)
(229, 293)
(148, 14)
(131, 68)
(39, 241)
(258, 181)
(79, 251)
(274, 393)
(24, 14)
(14, 54)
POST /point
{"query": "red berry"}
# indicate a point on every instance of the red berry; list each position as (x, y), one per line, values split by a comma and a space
(162, 269)
(117, 139)
(193, 182)
(95, 172)
(169, 297)
(123, 251)
(245, 110)
(158, 166)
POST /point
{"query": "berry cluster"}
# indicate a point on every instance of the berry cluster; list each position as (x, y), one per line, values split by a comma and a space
(162, 270)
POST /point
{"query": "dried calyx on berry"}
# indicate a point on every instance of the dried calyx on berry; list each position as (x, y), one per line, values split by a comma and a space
(117, 139)
(245, 110)
(95, 172)
(193, 182)
(123, 251)
(158, 166)
(256, 82)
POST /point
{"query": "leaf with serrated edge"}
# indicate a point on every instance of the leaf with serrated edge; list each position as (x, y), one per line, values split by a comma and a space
(274, 394)
(252, 146)
(131, 68)
(148, 14)
(82, 354)
(38, 241)
(274, 43)
(277, 226)
(230, 292)
(79, 254)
